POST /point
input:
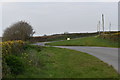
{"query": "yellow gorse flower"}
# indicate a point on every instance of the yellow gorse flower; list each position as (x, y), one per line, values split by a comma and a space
(11, 46)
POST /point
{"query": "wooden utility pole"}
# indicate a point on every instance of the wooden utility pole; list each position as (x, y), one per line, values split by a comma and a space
(109, 27)
(99, 27)
(103, 22)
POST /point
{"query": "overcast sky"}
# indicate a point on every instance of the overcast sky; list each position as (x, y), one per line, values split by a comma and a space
(59, 0)
(59, 17)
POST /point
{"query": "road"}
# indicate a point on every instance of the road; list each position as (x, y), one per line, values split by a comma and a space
(108, 55)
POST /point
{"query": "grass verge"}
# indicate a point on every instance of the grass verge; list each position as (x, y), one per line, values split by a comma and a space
(51, 62)
(86, 41)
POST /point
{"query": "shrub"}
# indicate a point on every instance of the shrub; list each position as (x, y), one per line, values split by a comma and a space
(5, 69)
(11, 62)
(12, 47)
(112, 36)
(15, 64)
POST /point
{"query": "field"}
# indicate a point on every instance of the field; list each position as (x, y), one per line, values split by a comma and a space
(87, 41)
(57, 37)
(50, 62)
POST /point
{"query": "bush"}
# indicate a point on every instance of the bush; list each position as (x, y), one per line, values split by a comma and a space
(12, 64)
(113, 36)
(5, 69)
(12, 47)
(15, 64)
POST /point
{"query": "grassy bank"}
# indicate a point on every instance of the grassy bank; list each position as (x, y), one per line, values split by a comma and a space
(87, 41)
(50, 62)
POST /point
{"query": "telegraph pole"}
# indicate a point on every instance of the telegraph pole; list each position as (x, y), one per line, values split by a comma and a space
(99, 27)
(103, 22)
(109, 27)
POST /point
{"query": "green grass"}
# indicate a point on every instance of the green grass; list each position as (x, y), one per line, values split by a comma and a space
(53, 62)
(86, 41)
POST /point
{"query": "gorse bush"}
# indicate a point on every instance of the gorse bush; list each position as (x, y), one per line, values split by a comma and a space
(12, 47)
(5, 68)
(15, 64)
(112, 36)
(11, 52)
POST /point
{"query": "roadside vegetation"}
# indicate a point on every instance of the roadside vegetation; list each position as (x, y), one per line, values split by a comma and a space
(102, 41)
(22, 60)
(51, 62)
(11, 62)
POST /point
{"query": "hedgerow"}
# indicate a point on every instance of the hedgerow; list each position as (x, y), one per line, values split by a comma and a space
(11, 62)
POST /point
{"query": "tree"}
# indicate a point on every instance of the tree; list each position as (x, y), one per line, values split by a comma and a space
(18, 31)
